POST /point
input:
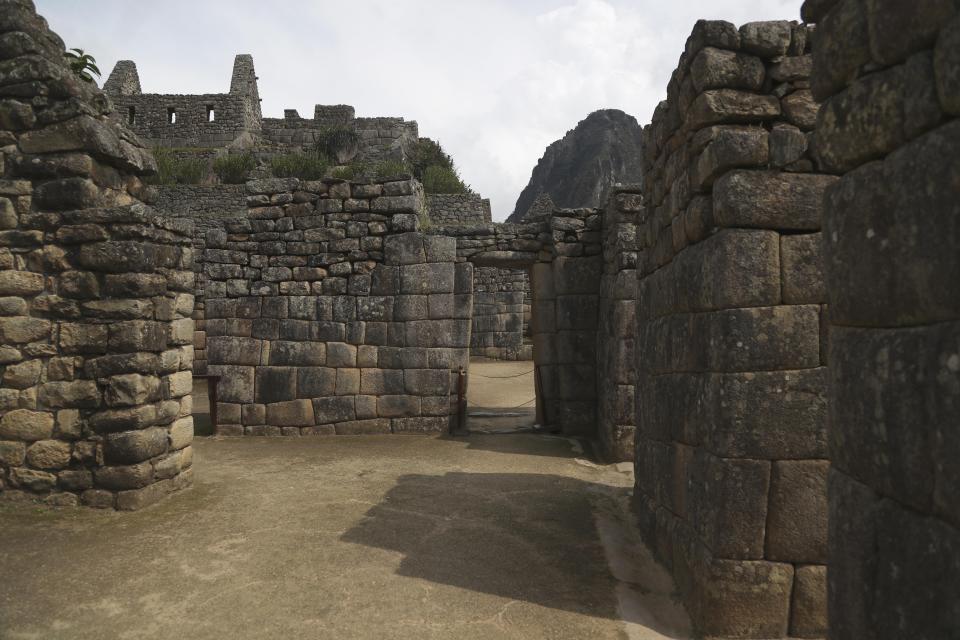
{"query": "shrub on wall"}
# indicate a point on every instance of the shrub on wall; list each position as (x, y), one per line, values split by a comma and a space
(391, 169)
(437, 179)
(172, 169)
(234, 168)
(340, 143)
(306, 166)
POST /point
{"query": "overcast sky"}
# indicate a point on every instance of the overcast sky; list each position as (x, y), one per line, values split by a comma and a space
(494, 81)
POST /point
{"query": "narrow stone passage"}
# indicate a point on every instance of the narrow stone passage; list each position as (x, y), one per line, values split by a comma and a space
(491, 536)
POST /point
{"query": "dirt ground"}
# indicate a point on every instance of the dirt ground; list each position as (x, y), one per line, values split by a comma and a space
(483, 537)
(501, 396)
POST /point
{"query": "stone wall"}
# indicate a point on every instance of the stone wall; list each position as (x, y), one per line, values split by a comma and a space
(327, 313)
(889, 76)
(197, 201)
(731, 366)
(616, 333)
(380, 138)
(501, 314)
(458, 208)
(95, 293)
(562, 252)
(173, 120)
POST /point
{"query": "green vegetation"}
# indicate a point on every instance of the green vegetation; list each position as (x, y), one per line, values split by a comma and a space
(172, 169)
(339, 143)
(390, 169)
(437, 179)
(233, 168)
(303, 165)
(434, 167)
(82, 64)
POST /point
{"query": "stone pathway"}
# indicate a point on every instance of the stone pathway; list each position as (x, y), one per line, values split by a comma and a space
(485, 537)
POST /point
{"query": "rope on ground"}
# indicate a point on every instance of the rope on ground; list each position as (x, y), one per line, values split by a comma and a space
(480, 375)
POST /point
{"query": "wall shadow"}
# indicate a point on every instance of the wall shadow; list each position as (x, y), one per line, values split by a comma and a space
(527, 537)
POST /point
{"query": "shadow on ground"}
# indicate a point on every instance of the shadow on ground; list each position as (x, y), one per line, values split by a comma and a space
(526, 537)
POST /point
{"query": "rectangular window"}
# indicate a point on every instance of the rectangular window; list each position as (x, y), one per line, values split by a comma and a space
(171, 115)
(211, 114)
(131, 115)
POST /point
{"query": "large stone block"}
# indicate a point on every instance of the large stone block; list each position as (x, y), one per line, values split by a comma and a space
(770, 200)
(334, 409)
(398, 406)
(729, 106)
(808, 610)
(26, 425)
(863, 122)
(730, 505)
(714, 68)
(49, 454)
(275, 384)
(841, 47)
(946, 61)
(427, 278)
(896, 212)
(129, 447)
(797, 524)
(236, 383)
(294, 413)
(725, 148)
(768, 39)
(801, 259)
(754, 339)
(897, 29)
(300, 354)
(894, 392)
(730, 269)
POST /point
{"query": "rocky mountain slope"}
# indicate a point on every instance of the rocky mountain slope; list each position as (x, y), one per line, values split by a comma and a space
(575, 171)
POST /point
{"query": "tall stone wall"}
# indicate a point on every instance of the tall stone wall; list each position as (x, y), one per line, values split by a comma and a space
(327, 313)
(731, 366)
(889, 76)
(458, 208)
(562, 251)
(95, 293)
(380, 138)
(197, 201)
(501, 314)
(616, 333)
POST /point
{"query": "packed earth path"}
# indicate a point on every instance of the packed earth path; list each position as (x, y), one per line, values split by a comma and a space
(490, 536)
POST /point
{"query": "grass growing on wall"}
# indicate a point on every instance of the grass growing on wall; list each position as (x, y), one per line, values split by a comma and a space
(234, 168)
(437, 179)
(339, 142)
(176, 170)
(434, 167)
(390, 169)
(305, 166)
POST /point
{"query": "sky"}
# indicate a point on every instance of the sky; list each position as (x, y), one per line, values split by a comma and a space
(494, 81)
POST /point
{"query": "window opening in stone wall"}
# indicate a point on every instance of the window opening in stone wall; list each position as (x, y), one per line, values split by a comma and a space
(211, 114)
(171, 115)
(131, 115)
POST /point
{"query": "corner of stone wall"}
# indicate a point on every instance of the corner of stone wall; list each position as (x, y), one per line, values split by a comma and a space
(95, 293)
(731, 445)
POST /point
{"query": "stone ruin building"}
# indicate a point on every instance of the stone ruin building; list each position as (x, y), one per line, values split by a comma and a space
(766, 323)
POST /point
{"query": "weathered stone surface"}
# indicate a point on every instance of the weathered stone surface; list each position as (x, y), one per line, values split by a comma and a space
(867, 227)
(129, 447)
(48, 454)
(20, 283)
(770, 200)
(808, 610)
(897, 30)
(294, 413)
(797, 524)
(32, 480)
(714, 68)
(802, 269)
(719, 106)
(26, 425)
(800, 109)
(946, 62)
(767, 39)
(334, 409)
(725, 148)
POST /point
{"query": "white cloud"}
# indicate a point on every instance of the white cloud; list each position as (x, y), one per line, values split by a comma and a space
(495, 81)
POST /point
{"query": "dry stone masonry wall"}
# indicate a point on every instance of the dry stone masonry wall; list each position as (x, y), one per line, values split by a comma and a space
(328, 313)
(616, 332)
(458, 208)
(95, 293)
(731, 367)
(888, 74)
(501, 314)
